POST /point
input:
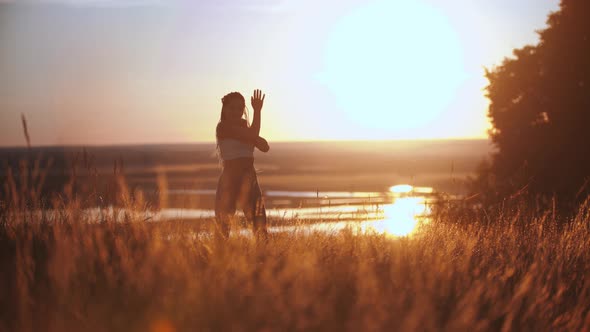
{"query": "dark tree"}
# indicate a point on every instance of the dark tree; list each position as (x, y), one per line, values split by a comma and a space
(540, 111)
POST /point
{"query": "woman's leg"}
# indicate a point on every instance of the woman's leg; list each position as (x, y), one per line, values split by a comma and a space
(225, 201)
(253, 206)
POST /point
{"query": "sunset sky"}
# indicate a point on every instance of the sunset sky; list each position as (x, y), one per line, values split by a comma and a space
(141, 71)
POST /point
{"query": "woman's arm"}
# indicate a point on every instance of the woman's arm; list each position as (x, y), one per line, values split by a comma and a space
(242, 134)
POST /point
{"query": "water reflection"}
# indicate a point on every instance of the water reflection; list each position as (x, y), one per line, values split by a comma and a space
(397, 212)
(400, 218)
(401, 188)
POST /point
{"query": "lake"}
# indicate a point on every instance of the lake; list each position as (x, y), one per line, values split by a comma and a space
(387, 186)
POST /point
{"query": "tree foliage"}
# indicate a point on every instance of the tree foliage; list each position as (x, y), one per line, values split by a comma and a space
(540, 112)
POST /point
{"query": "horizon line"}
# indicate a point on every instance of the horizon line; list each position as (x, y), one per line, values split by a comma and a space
(123, 144)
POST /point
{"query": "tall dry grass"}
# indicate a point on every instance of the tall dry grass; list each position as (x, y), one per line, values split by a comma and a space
(114, 271)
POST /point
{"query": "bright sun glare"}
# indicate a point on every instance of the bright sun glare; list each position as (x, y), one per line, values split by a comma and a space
(401, 189)
(393, 65)
(401, 217)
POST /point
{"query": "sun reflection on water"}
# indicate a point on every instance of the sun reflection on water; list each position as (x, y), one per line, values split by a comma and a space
(397, 212)
(402, 217)
(401, 189)
(398, 219)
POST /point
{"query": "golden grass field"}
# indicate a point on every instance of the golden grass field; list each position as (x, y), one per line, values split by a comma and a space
(509, 271)
(64, 269)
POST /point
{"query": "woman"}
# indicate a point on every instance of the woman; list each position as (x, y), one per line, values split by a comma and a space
(238, 185)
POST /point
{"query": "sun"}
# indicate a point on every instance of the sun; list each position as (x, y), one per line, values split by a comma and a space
(393, 65)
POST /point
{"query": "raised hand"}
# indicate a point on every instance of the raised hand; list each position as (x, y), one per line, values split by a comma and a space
(257, 100)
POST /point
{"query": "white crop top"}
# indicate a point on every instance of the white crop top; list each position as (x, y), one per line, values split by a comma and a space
(232, 149)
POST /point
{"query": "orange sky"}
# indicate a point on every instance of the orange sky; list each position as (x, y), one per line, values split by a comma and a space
(148, 71)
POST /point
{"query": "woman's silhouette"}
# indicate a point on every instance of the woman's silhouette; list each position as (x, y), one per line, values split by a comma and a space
(238, 184)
